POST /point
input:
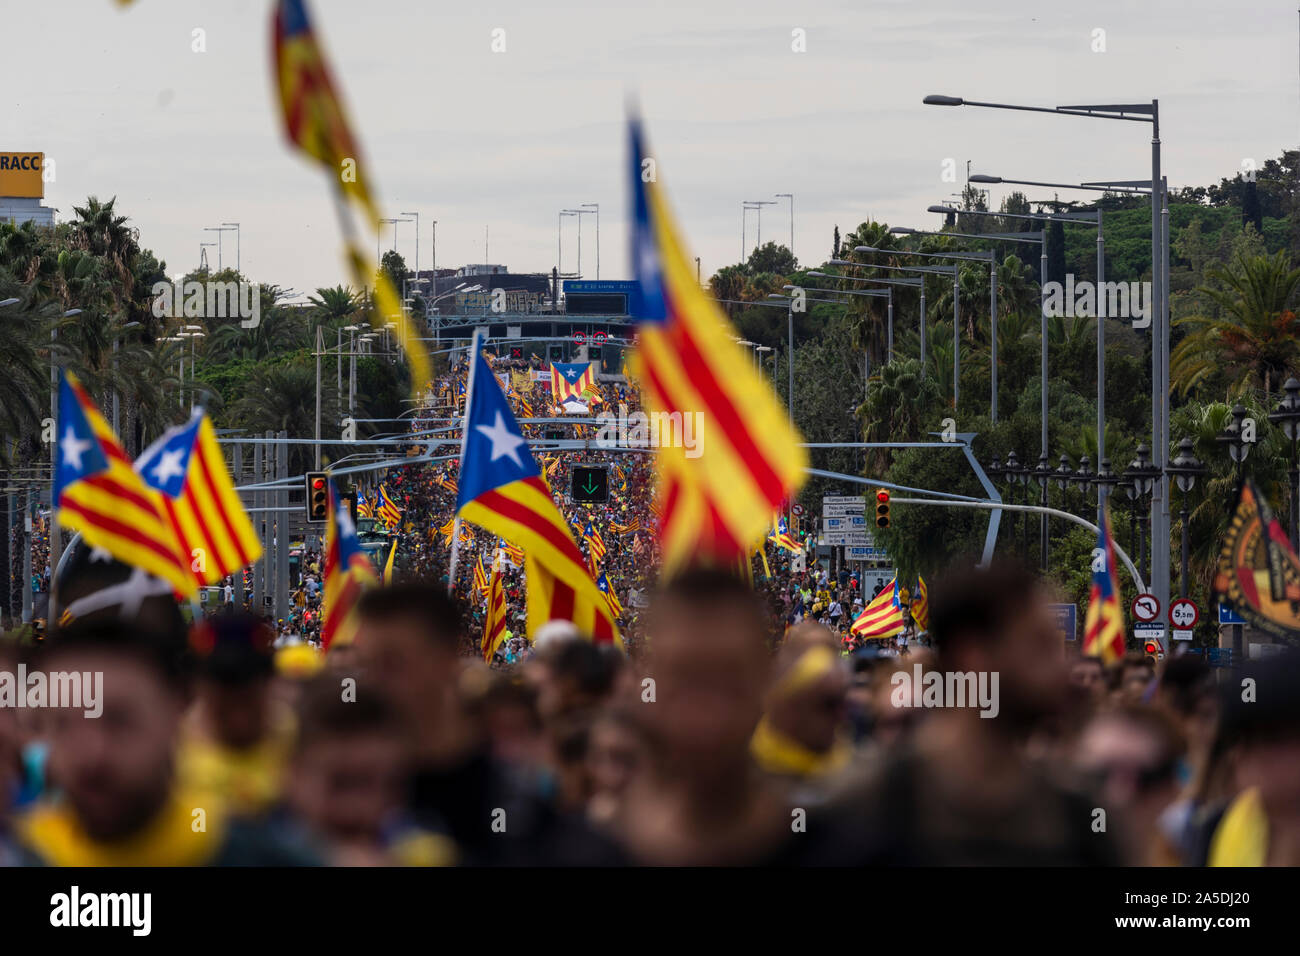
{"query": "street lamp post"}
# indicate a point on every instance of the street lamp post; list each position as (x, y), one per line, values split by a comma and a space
(1143, 474)
(238, 243)
(1238, 449)
(1043, 474)
(559, 238)
(789, 196)
(594, 207)
(1287, 415)
(1185, 469)
(1135, 113)
(218, 230)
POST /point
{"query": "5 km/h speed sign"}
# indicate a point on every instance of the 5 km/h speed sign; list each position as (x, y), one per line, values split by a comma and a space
(1183, 613)
(1146, 608)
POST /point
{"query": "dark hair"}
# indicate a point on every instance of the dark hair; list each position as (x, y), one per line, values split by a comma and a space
(1274, 713)
(164, 651)
(233, 648)
(1186, 682)
(972, 605)
(323, 714)
(592, 667)
(439, 616)
(713, 588)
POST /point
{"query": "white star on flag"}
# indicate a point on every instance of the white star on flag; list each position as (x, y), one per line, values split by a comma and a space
(169, 464)
(504, 441)
(72, 448)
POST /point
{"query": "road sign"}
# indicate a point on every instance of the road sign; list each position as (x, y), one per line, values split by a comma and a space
(845, 523)
(590, 484)
(579, 337)
(859, 553)
(1183, 613)
(839, 511)
(598, 337)
(857, 539)
(797, 510)
(843, 500)
(1182, 635)
(1067, 620)
(1149, 631)
(1146, 608)
(1221, 656)
(1228, 616)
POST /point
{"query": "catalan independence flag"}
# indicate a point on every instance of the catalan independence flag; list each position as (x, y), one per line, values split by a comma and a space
(364, 508)
(571, 380)
(883, 617)
(99, 494)
(348, 572)
(921, 605)
(501, 489)
(494, 625)
(388, 511)
(311, 108)
(185, 466)
(615, 607)
(748, 459)
(1103, 629)
(781, 536)
(595, 543)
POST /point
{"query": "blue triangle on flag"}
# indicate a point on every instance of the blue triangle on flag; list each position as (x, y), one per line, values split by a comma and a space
(496, 452)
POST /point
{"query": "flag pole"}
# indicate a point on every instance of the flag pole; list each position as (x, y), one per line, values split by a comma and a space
(464, 438)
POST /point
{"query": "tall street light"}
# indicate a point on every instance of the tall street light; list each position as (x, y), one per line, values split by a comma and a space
(1135, 113)
(219, 230)
(579, 213)
(1142, 475)
(918, 283)
(1287, 414)
(1185, 469)
(789, 196)
(975, 255)
(594, 207)
(238, 243)
(416, 216)
(559, 239)
(756, 205)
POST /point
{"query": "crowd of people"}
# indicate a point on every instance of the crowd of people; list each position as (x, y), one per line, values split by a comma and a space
(719, 739)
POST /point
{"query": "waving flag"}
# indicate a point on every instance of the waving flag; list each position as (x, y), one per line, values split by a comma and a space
(447, 531)
(595, 543)
(494, 626)
(748, 457)
(615, 607)
(364, 508)
(98, 493)
(501, 489)
(348, 572)
(571, 380)
(311, 109)
(883, 617)
(921, 605)
(186, 468)
(389, 513)
(781, 536)
(1103, 629)
(480, 577)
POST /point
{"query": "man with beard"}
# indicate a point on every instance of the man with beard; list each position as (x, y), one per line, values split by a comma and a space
(961, 789)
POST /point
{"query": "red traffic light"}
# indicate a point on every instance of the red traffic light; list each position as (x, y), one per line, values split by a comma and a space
(882, 496)
(1152, 648)
(317, 484)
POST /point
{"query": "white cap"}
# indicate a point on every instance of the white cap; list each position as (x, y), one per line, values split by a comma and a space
(555, 633)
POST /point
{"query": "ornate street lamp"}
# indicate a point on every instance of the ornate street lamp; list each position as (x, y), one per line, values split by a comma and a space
(1287, 415)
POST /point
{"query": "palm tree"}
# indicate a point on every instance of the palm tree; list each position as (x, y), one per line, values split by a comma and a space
(1256, 339)
(334, 307)
(284, 397)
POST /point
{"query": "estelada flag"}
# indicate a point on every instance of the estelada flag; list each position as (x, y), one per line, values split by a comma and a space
(348, 572)
(883, 617)
(98, 493)
(717, 496)
(312, 111)
(501, 489)
(1103, 629)
(1258, 574)
(185, 466)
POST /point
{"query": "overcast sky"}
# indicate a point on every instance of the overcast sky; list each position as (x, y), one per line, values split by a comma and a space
(503, 141)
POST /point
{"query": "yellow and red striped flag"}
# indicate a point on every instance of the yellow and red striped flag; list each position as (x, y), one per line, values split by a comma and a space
(389, 513)
(747, 457)
(883, 617)
(501, 489)
(1103, 629)
(921, 605)
(348, 572)
(186, 469)
(572, 380)
(494, 626)
(98, 493)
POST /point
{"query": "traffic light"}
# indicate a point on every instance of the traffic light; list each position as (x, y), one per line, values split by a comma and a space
(555, 353)
(593, 353)
(318, 496)
(882, 508)
(516, 353)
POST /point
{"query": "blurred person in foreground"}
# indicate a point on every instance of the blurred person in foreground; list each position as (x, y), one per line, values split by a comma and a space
(1132, 754)
(238, 735)
(1261, 730)
(802, 736)
(408, 644)
(120, 802)
(700, 799)
(347, 778)
(960, 789)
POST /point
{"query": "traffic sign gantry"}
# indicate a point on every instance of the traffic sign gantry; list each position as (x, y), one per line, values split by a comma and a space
(590, 484)
(1145, 608)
